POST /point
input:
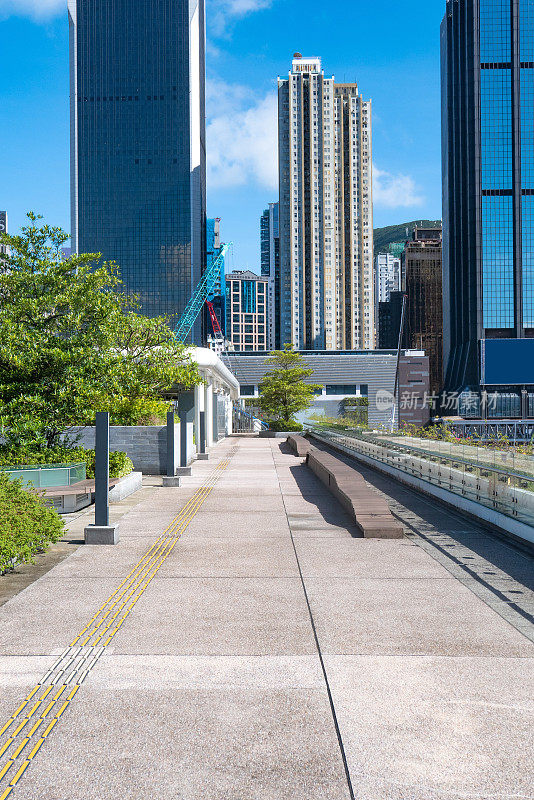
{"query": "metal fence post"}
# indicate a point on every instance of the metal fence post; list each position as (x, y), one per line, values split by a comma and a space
(102, 532)
(102, 468)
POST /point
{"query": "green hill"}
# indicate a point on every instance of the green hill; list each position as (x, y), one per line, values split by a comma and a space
(399, 233)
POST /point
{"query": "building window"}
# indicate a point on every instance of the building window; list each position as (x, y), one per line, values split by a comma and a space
(248, 296)
(246, 391)
(341, 389)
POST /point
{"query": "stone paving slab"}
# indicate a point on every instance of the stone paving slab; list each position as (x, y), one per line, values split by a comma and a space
(232, 503)
(213, 688)
(46, 616)
(192, 744)
(337, 519)
(239, 525)
(223, 557)
(436, 728)
(407, 616)
(120, 560)
(366, 558)
(225, 616)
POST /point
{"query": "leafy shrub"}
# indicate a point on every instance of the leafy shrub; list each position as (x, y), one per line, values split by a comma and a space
(119, 463)
(360, 402)
(356, 409)
(137, 411)
(27, 526)
(284, 425)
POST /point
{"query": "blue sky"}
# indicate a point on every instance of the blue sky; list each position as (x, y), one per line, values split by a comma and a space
(390, 47)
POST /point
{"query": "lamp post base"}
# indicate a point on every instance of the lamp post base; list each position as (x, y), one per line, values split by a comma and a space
(171, 482)
(102, 534)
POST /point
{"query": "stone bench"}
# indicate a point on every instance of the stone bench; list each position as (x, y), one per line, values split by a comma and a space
(369, 511)
(299, 444)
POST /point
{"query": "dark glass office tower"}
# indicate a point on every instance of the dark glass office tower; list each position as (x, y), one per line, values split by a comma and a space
(138, 143)
(488, 199)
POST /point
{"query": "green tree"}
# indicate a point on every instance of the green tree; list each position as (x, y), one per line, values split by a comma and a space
(71, 340)
(283, 392)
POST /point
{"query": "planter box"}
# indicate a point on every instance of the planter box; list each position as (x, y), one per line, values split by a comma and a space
(126, 486)
(70, 500)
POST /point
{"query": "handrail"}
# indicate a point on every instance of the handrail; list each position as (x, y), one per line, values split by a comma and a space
(431, 454)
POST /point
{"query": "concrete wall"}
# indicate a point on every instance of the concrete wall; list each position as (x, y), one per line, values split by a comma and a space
(146, 445)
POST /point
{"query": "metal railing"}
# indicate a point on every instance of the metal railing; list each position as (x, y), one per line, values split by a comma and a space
(245, 422)
(490, 430)
(505, 489)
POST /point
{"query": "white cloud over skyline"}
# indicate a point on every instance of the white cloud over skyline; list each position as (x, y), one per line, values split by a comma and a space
(242, 147)
(36, 9)
(394, 190)
(223, 13)
(41, 9)
(241, 137)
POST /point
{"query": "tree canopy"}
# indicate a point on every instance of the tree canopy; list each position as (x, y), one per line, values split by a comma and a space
(283, 392)
(71, 339)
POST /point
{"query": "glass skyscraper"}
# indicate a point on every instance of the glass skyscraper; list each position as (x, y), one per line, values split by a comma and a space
(138, 175)
(488, 203)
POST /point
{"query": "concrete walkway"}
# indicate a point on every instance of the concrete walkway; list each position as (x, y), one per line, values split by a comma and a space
(272, 656)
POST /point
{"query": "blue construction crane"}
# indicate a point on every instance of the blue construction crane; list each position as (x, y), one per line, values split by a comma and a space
(200, 295)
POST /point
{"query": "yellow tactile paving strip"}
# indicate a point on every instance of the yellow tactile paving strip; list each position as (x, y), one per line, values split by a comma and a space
(62, 681)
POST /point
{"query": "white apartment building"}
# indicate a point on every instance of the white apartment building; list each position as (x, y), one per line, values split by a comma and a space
(388, 276)
(326, 212)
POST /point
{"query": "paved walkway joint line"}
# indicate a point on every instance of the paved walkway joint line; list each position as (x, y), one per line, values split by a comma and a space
(30, 725)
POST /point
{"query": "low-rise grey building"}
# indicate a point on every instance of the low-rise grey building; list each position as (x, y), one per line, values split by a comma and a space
(342, 374)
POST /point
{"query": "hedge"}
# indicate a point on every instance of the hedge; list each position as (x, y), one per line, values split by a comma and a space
(27, 526)
(119, 463)
(284, 425)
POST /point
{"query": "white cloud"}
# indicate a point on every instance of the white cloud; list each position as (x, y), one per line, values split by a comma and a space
(36, 9)
(241, 7)
(222, 13)
(394, 191)
(242, 137)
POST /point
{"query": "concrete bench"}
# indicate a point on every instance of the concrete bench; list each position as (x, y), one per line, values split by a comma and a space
(370, 511)
(299, 445)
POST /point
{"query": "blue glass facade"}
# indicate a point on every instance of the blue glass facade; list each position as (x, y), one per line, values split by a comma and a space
(248, 297)
(138, 144)
(488, 160)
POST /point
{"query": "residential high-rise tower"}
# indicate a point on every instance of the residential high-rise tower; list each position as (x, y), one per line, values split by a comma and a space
(488, 197)
(138, 185)
(270, 267)
(326, 219)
